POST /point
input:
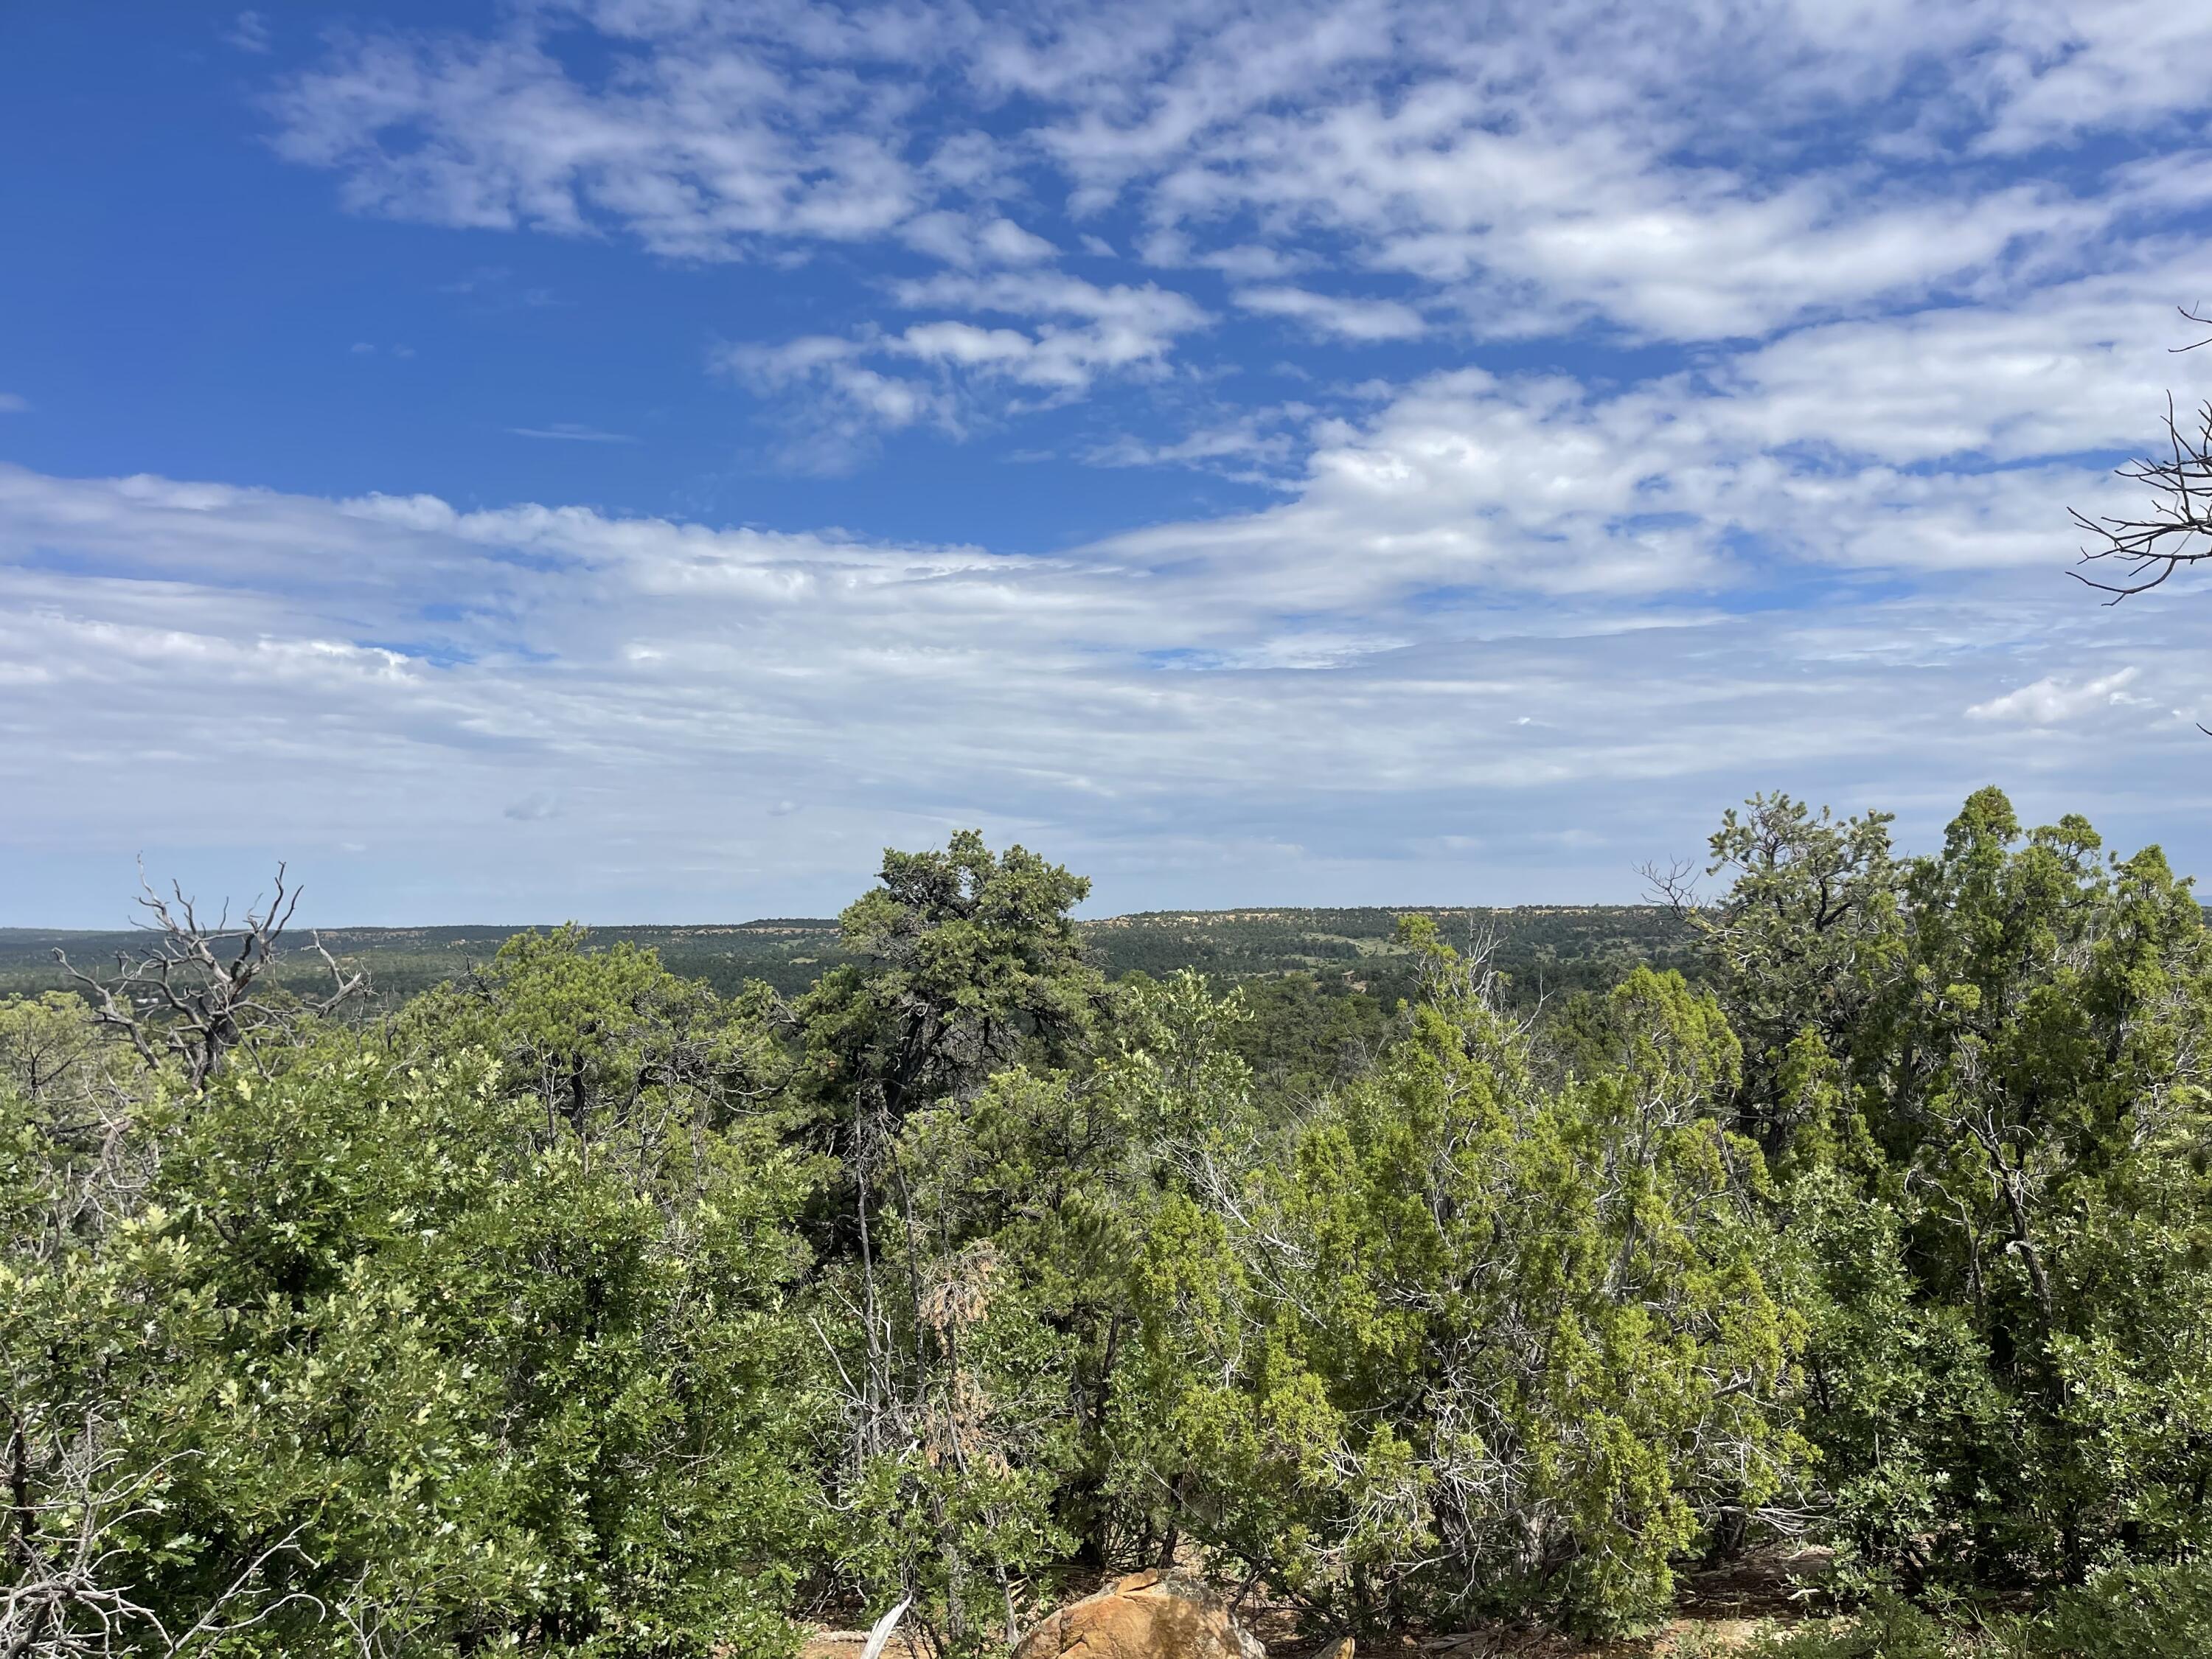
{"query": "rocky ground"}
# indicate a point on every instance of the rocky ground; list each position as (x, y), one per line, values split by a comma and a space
(1721, 1611)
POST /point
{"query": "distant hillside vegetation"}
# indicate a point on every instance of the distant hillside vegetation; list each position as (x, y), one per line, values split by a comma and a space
(1544, 949)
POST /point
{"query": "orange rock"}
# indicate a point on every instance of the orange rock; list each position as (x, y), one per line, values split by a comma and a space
(1147, 1615)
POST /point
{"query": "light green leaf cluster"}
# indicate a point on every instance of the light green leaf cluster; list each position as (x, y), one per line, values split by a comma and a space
(362, 1348)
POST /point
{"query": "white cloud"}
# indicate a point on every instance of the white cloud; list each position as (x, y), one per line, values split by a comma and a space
(698, 155)
(2077, 367)
(1335, 316)
(1078, 333)
(1238, 447)
(13, 403)
(1477, 612)
(962, 239)
(2125, 64)
(1142, 309)
(2053, 699)
(1251, 262)
(1007, 242)
(249, 32)
(1702, 172)
(534, 808)
(1531, 230)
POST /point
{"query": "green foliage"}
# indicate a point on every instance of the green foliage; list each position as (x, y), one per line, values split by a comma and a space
(577, 1307)
(1545, 950)
(54, 1056)
(1310, 1034)
(365, 1350)
(1998, 1139)
(1540, 951)
(966, 958)
(1458, 1338)
(954, 1437)
(2129, 1613)
(1888, 1627)
(607, 1040)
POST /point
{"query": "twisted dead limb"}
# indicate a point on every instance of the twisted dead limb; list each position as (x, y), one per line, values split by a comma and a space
(2176, 530)
(195, 992)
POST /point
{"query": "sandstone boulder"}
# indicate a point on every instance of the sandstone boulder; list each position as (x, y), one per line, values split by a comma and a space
(1147, 1615)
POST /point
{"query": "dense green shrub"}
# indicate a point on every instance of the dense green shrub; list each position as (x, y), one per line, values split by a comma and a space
(2128, 1613)
(1985, 1082)
(353, 1349)
(1886, 1627)
(1461, 1341)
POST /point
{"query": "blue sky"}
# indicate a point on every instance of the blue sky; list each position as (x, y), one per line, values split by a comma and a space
(633, 459)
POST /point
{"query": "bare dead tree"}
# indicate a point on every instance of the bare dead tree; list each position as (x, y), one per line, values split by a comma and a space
(2135, 554)
(196, 993)
(1673, 884)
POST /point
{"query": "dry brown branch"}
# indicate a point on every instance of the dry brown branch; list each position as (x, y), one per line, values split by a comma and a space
(196, 992)
(1673, 884)
(2176, 530)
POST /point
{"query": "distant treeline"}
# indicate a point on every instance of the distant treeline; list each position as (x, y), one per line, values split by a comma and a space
(1543, 950)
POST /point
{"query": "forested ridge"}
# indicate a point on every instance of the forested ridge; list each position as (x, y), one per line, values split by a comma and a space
(571, 1303)
(1542, 948)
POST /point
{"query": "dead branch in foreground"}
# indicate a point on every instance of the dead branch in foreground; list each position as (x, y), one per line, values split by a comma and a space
(2176, 530)
(196, 993)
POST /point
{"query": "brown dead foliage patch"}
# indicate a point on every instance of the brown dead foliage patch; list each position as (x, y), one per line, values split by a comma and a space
(1721, 1607)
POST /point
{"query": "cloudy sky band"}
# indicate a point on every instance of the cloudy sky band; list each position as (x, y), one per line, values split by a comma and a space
(1536, 428)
